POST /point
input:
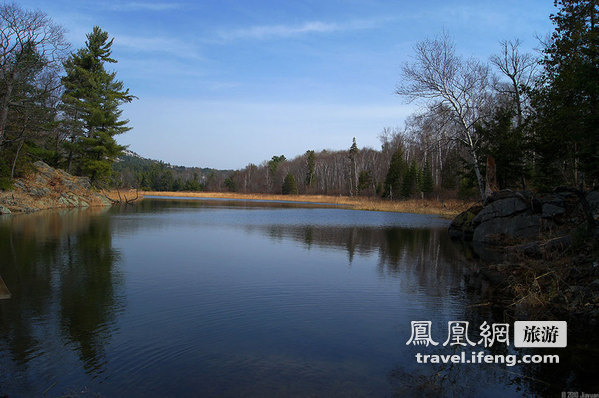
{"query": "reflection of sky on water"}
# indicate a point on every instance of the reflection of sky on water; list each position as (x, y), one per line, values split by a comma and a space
(235, 299)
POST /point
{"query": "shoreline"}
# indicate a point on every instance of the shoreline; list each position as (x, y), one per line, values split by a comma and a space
(447, 208)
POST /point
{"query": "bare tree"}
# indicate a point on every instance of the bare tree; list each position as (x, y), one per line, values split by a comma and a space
(29, 40)
(520, 69)
(453, 87)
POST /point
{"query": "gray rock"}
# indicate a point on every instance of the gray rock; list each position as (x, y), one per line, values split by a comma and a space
(593, 201)
(552, 211)
(64, 201)
(42, 179)
(531, 249)
(69, 200)
(104, 200)
(500, 209)
(558, 244)
(462, 227)
(553, 199)
(503, 194)
(39, 192)
(84, 182)
(71, 185)
(4, 210)
(42, 167)
(516, 227)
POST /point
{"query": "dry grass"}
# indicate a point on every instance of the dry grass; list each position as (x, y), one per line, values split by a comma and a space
(447, 208)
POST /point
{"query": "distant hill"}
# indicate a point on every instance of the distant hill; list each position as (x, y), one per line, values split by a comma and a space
(132, 170)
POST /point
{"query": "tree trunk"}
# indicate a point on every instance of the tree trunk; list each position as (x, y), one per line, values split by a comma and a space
(479, 177)
(4, 113)
(14, 163)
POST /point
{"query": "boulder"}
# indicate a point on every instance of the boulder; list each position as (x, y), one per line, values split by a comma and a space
(517, 226)
(521, 216)
(551, 211)
(43, 168)
(502, 208)
(4, 210)
(462, 226)
(503, 194)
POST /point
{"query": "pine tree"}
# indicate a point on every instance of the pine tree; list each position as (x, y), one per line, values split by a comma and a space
(365, 181)
(566, 100)
(397, 168)
(289, 185)
(311, 165)
(409, 181)
(353, 178)
(92, 99)
(427, 183)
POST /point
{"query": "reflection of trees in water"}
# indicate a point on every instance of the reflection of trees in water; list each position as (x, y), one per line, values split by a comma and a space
(426, 260)
(88, 299)
(428, 255)
(59, 267)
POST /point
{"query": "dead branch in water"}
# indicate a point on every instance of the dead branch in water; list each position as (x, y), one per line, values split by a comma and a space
(130, 201)
(120, 200)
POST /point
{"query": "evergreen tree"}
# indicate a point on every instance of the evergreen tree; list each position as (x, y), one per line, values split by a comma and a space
(289, 185)
(566, 98)
(364, 181)
(311, 165)
(353, 178)
(427, 183)
(508, 146)
(397, 168)
(92, 98)
(230, 182)
(409, 181)
(273, 164)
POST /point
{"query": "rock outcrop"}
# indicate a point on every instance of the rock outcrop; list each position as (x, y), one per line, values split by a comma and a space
(512, 217)
(49, 188)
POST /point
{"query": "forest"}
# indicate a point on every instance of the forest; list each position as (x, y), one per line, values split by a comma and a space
(59, 107)
(531, 117)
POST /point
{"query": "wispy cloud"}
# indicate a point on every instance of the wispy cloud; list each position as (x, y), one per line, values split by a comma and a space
(141, 6)
(284, 31)
(165, 45)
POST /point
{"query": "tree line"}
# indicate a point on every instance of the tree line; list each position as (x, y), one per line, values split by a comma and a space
(57, 106)
(517, 120)
(526, 121)
(133, 171)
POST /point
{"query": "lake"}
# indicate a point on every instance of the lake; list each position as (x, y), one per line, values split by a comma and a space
(247, 298)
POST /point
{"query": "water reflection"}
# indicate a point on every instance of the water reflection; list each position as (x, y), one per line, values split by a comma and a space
(427, 253)
(62, 272)
(245, 299)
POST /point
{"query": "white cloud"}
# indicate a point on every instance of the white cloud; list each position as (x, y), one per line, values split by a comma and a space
(147, 6)
(284, 31)
(166, 45)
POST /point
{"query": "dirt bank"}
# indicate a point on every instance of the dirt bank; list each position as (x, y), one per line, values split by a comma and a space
(49, 188)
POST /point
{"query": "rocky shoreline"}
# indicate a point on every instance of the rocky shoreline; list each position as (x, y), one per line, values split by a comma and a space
(50, 188)
(539, 250)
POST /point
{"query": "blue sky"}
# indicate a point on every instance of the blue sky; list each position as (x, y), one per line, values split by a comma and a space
(225, 83)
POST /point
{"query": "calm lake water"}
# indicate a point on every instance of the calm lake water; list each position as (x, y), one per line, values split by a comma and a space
(226, 298)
